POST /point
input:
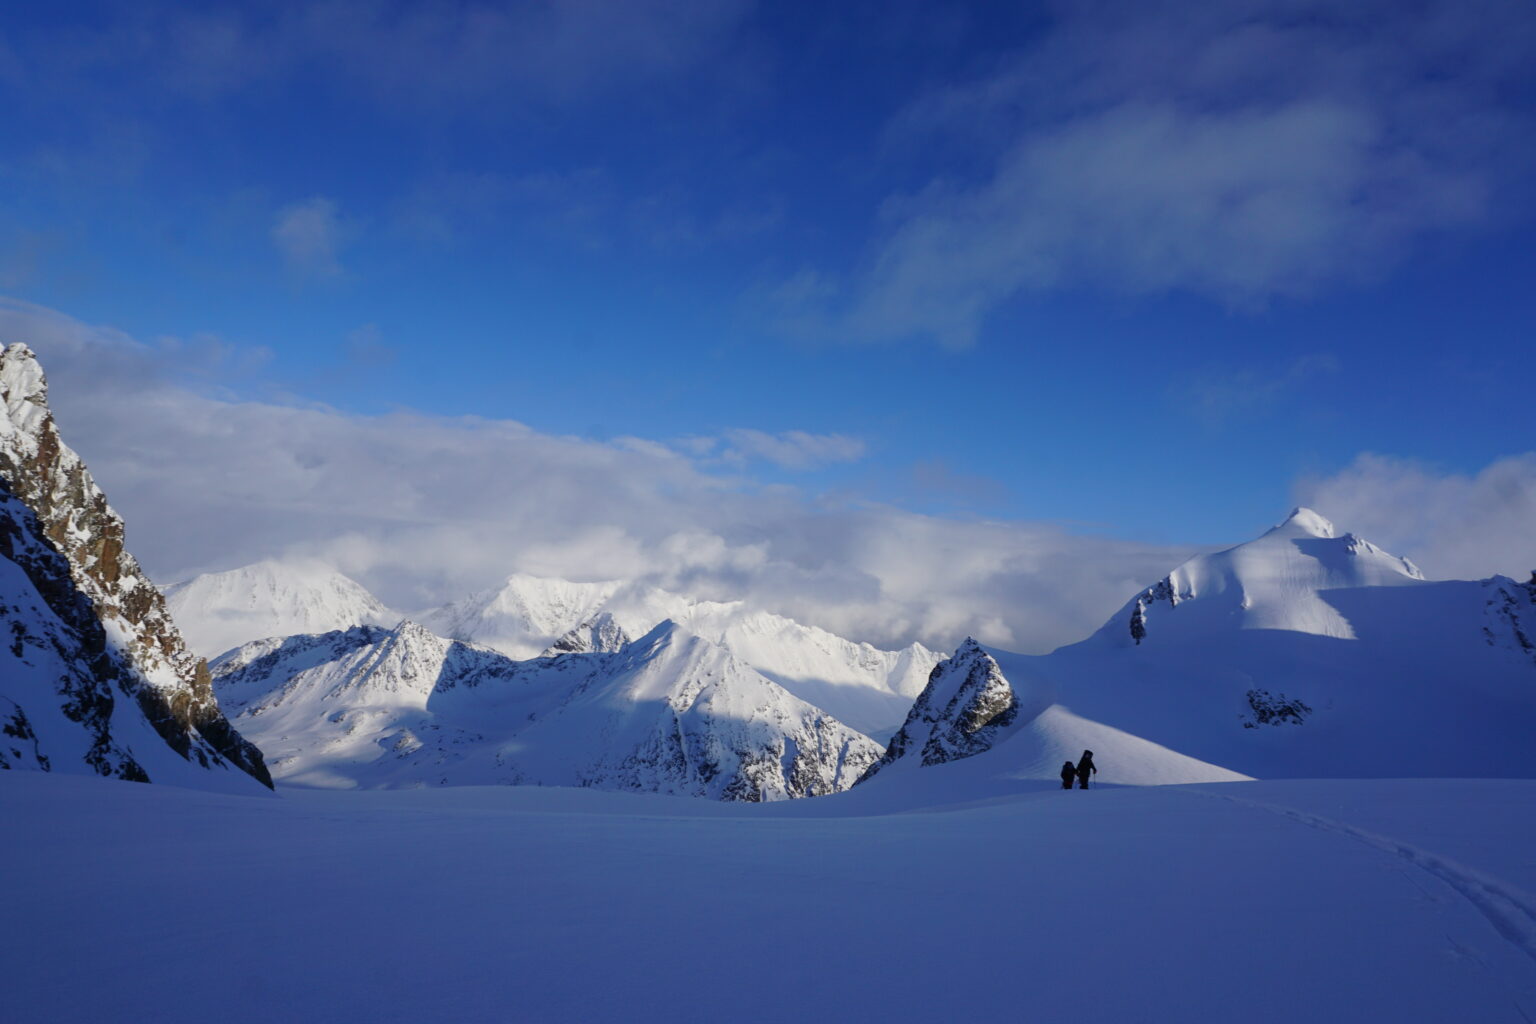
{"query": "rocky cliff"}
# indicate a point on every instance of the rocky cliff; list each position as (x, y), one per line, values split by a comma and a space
(962, 711)
(89, 635)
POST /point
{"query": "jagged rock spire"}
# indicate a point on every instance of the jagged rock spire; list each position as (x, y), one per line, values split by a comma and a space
(961, 712)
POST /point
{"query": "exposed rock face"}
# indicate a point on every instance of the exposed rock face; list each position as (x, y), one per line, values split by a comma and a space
(1274, 709)
(667, 713)
(602, 633)
(1511, 614)
(963, 711)
(77, 595)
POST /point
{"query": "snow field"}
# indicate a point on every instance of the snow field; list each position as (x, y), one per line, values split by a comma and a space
(1274, 901)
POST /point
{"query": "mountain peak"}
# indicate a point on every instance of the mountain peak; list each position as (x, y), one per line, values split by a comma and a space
(1304, 522)
(601, 633)
(965, 707)
(1274, 582)
(219, 611)
(23, 390)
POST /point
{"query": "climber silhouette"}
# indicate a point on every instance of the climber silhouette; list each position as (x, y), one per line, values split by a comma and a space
(1068, 773)
(1085, 767)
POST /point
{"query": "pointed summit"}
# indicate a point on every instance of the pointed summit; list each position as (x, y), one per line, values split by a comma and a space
(1275, 581)
(600, 634)
(1303, 522)
(965, 708)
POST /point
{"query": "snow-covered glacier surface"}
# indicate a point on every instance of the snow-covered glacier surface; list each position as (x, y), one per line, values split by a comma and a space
(1266, 903)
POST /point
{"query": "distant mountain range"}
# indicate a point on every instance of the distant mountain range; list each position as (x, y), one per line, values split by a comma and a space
(1303, 653)
(529, 616)
(670, 712)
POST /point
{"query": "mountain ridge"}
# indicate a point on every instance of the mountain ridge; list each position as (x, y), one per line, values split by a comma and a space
(669, 712)
(109, 656)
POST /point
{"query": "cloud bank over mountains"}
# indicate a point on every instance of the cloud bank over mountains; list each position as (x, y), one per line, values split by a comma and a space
(1457, 526)
(423, 509)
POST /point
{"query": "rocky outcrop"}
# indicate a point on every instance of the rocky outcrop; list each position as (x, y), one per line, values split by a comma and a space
(602, 633)
(76, 593)
(965, 708)
(1511, 614)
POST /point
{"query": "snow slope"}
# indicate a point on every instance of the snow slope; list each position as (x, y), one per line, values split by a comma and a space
(1306, 654)
(221, 610)
(667, 713)
(1013, 729)
(1279, 581)
(1263, 903)
(867, 688)
(94, 676)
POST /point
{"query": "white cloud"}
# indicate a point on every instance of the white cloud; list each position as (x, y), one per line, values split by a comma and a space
(309, 235)
(1241, 149)
(425, 509)
(1455, 526)
(792, 449)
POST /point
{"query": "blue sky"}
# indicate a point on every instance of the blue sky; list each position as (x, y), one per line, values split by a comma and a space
(1140, 271)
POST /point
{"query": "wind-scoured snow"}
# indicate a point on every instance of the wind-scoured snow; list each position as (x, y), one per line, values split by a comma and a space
(222, 610)
(667, 713)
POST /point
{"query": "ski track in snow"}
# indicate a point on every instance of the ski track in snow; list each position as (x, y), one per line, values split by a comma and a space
(1511, 912)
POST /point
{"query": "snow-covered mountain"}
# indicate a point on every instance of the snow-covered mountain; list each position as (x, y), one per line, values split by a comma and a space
(970, 711)
(965, 706)
(221, 610)
(524, 616)
(667, 713)
(1279, 581)
(867, 688)
(94, 676)
(1307, 653)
